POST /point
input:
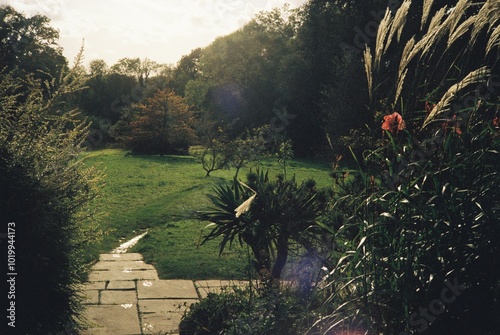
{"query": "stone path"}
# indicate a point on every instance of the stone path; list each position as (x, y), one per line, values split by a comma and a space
(125, 296)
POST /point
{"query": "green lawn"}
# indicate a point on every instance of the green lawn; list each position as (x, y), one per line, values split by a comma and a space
(160, 194)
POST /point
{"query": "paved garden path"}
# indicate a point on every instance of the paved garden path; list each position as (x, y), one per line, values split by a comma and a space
(125, 296)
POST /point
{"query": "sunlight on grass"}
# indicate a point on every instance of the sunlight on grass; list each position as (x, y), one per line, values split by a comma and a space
(160, 194)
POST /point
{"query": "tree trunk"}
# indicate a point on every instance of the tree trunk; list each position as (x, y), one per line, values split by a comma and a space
(281, 256)
(262, 260)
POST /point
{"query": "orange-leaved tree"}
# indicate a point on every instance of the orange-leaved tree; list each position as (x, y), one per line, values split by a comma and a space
(161, 124)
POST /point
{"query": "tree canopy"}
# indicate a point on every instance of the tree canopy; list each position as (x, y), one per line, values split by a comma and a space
(29, 46)
(161, 124)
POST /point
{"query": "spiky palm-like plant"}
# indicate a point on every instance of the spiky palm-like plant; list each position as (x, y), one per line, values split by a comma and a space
(265, 215)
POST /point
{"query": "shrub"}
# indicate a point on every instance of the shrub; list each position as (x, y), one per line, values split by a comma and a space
(430, 221)
(212, 314)
(45, 193)
(264, 311)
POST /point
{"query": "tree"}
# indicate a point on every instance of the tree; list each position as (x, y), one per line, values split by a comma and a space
(106, 95)
(323, 75)
(221, 153)
(248, 147)
(29, 47)
(216, 156)
(239, 73)
(217, 151)
(98, 67)
(187, 69)
(161, 124)
(147, 68)
(128, 66)
(140, 69)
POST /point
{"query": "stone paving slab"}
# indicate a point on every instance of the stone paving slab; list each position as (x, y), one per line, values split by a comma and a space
(123, 275)
(161, 323)
(147, 306)
(94, 286)
(220, 283)
(162, 314)
(91, 297)
(120, 257)
(122, 265)
(217, 286)
(121, 285)
(125, 296)
(162, 289)
(118, 297)
(112, 320)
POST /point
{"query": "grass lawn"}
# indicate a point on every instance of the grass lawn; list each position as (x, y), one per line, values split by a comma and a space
(160, 194)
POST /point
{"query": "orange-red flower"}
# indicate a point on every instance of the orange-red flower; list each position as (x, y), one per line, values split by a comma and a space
(496, 122)
(393, 123)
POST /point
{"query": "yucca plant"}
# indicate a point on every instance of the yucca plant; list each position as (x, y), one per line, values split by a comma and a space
(266, 215)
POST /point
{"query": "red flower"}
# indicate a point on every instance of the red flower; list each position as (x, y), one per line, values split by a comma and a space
(496, 122)
(393, 123)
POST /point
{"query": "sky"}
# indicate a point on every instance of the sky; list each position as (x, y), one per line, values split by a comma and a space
(161, 30)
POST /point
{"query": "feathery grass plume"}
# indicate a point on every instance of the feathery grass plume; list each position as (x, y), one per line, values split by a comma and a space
(245, 206)
(456, 14)
(489, 14)
(368, 70)
(383, 30)
(405, 56)
(448, 25)
(398, 23)
(401, 81)
(427, 38)
(474, 77)
(461, 30)
(494, 40)
(437, 19)
(426, 11)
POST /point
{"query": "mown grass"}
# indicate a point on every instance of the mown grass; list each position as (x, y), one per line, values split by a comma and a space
(160, 194)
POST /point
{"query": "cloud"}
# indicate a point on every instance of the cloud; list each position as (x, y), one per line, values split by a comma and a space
(51, 8)
(161, 30)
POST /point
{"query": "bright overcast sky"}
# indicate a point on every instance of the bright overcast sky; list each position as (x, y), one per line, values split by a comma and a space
(162, 30)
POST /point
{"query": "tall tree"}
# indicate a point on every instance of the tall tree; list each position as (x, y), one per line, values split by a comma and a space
(327, 81)
(187, 69)
(98, 67)
(240, 71)
(106, 95)
(29, 47)
(128, 66)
